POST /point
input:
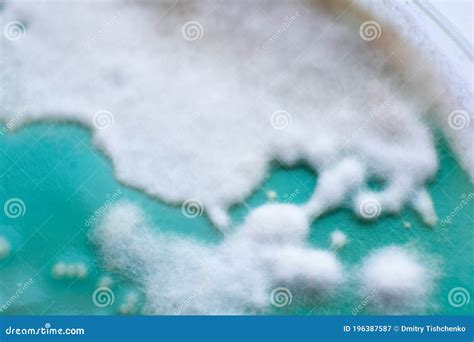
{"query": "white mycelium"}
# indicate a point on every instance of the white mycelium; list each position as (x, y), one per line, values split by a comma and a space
(181, 276)
(396, 280)
(202, 117)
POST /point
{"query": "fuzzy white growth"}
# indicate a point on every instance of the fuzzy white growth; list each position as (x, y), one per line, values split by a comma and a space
(186, 136)
(276, 223)
(449, 57)
(423, 204)
(309, 269)
(338, 239)
(4, 248)
(334, 184)
(218, 216)
(396, 280)
(181, 276)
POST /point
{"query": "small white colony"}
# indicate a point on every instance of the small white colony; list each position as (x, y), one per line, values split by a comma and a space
(271, 195)
(59, 270)
(105, 281)
(4, 248)
(338, 239)
(395, 280)
(62, 270)
(129, 306)
(81, 270)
